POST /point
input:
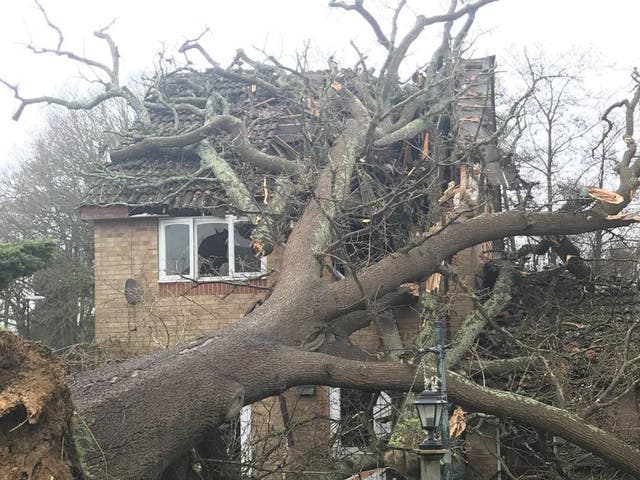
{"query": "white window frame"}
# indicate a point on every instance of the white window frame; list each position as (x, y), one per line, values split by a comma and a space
(246, 454)
(380, 410)
(192, 223)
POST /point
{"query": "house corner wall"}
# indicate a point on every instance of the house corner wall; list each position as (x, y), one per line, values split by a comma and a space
(169, 313)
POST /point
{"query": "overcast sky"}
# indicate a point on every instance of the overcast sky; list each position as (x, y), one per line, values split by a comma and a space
(142, 27)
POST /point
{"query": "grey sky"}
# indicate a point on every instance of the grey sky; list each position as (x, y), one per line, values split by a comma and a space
(281, 26)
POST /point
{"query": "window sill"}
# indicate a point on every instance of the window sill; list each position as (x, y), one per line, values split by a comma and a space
(238, 278)
(222, 286)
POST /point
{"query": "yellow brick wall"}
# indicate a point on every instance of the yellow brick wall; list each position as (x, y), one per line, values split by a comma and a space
(128, 248)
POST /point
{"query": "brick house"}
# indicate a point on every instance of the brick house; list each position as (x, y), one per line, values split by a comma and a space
(173, 260)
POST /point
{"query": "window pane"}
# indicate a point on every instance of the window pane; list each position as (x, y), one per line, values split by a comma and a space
(176, 247)
(246, 261)
(213, 249)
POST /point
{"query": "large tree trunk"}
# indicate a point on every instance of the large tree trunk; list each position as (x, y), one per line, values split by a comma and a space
(136, 417)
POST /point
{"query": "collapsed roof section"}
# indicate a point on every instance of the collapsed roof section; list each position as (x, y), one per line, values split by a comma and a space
(171, 181)
(296, 124)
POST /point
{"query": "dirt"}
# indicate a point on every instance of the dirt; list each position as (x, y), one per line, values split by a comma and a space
(35, 414)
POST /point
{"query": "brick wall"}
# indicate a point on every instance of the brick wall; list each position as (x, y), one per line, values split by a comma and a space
(168, 314)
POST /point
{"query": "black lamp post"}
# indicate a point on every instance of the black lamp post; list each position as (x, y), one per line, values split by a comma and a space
(431, 405)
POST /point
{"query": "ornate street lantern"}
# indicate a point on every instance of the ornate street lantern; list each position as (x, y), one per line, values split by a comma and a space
(431, 405)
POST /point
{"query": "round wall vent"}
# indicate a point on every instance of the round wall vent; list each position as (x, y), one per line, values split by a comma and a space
(132, 291)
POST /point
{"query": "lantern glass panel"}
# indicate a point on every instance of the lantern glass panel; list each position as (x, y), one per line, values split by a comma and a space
(430, 406)
(427, 414)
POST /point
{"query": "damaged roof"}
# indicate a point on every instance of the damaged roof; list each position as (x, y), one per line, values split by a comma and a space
(283, 125)
(169, 182)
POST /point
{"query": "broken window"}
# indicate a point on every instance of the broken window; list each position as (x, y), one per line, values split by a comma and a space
(245, 260)
(206, 248)
(213, 249)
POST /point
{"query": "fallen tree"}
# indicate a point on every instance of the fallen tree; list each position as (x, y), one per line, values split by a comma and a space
(354, 179)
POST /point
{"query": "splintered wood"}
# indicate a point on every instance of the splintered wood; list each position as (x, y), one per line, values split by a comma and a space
(606, 196)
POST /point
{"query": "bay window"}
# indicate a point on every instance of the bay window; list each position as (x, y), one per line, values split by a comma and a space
(206, 248)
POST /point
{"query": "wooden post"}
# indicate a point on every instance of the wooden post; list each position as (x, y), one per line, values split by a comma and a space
(429, 468)
(430, 463)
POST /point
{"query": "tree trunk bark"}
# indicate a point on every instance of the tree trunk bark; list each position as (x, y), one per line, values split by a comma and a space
(136, 417)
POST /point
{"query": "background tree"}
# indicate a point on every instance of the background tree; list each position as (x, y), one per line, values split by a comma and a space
(41, 197)
(555, 122)
(23, 259)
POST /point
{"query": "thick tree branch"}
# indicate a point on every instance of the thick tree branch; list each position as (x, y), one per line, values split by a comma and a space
(557, 421)
(501, 366)
(240, 197)
(421, 261)
(405, 132)
(476, 321)
(226, 123)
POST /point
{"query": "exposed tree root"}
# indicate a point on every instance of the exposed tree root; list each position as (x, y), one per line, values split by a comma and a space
(35, 414)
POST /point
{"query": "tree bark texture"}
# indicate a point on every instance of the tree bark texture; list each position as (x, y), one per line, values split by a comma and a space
(144, 412)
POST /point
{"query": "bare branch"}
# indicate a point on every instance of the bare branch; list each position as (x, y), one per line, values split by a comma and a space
(247, 79)
(113, 48)
(362, 60)
(394, 22)
(73, 56)
(70, 104)
(462, 34)
(358, 6)
(51, 24)
(112, 86)
(399, 53)
(445, 44)
(225, 123)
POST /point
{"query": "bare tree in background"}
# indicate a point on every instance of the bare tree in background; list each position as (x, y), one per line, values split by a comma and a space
(40, 197)
(555, 121)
